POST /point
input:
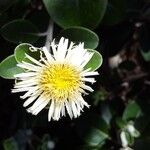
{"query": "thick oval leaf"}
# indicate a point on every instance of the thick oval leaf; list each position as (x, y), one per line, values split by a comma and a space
(146, 55)
(132, 111)
(121, 123)
(19, 31)
(10, 144)
(95, 137)
(80, 34)
(105, 110)
(95, 62)
(20, 51)
(93, 129)
(23, 49)
(8, 67)
(68, 13)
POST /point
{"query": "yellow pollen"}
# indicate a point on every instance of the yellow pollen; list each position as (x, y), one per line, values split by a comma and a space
(60, 81)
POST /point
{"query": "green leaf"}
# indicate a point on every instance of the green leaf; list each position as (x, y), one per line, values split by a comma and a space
(80, 34)
(10, 144)
(95, 137)
(100, 95)
(146, 55)
(18, 31)
(8, 68)
(132, 111)
(67, 13)
(5, 4)
(23, 49)
(106, 113)
(129, 138)
(93, 129)
(121, 123)
(95, 62)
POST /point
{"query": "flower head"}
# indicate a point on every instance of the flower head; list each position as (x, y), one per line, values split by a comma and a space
(58, 80)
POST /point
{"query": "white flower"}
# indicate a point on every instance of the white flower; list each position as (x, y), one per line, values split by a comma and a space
(124, 140)
(57, 80)
(126, 148)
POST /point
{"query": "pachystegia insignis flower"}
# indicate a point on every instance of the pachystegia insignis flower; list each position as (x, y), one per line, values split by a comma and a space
(58, 80)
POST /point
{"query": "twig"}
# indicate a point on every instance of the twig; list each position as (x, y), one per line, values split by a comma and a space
(135, 77)
(49, 36)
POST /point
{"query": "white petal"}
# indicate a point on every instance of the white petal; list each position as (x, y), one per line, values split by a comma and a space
(30, 99)
(23, 89)
(51, 110)
(53, 46)
(86, 87)
(63, 110)
(70, 46)
(24, 81)
(80, 90)
(74, 109)
(92, 80)
(78, 102)
(86, 59)
(34, 60)
(28, 83)
(48, 55)
(40, 107)
(38, 102)
(79, 105)
(62, 49)
(69, 110)
(76, 55)
(29, 66)
(57, 111)
(91, 73)
(83, 101)
(29, 93)
(26, 74)
(43, 59)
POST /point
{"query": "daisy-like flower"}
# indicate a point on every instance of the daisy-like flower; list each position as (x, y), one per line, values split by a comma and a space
(58, 80)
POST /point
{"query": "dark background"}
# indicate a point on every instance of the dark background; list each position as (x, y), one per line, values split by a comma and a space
(121, 94)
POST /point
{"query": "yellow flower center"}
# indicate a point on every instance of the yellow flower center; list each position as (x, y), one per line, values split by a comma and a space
(60, 81)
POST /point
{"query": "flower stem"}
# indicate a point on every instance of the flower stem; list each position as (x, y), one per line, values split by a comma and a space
(49, 36)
